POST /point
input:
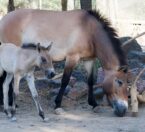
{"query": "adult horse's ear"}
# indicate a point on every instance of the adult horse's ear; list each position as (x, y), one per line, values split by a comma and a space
(49, 46)
(123, 68)
(38, 47)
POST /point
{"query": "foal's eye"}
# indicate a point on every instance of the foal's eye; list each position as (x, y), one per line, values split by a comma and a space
(119, 82)
(43, 60)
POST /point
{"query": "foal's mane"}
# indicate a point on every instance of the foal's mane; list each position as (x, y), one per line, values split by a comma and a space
(111, 32)
(29, 46)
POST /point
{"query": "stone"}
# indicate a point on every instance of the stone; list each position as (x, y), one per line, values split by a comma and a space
(79, 90)
(140, 86)
(41, 83)
(132, 46)
(141, 82)
(54, 91)
(137, 55)
(68, 102)
(59, 111)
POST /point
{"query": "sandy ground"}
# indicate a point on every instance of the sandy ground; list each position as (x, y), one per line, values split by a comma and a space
(79, 118)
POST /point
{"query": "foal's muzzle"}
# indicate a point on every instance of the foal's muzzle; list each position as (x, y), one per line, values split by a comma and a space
(120, 107)
(50, 73)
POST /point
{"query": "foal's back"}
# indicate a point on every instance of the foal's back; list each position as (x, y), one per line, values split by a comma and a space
(14, 58)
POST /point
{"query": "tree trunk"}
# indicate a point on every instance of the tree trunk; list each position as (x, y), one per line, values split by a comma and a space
(11, 6)
(86, 4)
(40, 4)
(70, 4)
(64, 5)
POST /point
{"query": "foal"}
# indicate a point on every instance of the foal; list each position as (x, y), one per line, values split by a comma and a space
(20, 62)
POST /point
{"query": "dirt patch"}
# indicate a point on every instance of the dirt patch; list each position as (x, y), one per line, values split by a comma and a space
(79, 118)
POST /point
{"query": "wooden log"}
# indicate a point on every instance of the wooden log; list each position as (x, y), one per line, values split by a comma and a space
(134, 101)
(141, 97)
(134, 95)
(57, 76)
(130, 40)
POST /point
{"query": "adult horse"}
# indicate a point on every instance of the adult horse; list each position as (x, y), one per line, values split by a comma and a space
(76, 35)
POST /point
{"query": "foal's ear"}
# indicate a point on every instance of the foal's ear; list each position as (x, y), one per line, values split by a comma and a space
(49, 46)
(38, 47)
(123, 68)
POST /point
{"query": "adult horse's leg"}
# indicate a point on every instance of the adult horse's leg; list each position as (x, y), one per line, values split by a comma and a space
(6, 83)
(31, 84)
(90, 71)
(69, 65)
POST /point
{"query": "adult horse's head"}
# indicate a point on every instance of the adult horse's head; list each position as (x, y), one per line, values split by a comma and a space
(115, 87)
(46, 60)
(113, 59)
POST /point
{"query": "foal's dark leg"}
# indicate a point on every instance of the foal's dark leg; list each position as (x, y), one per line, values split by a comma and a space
(90, 70)
(6, 83)
(69, 65)
(2, 78)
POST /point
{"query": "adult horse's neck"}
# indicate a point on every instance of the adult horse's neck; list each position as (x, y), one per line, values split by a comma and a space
(110, 54)
(107, 44)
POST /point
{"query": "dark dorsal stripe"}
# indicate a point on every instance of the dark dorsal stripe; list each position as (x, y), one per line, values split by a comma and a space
(111, 32)
(29, 46)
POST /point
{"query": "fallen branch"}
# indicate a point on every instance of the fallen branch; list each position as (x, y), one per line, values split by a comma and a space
(130, 40)
(57, 76)
(134, 95)
(141, 97)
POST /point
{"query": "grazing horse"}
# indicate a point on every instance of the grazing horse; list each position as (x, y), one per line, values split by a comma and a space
(20, 62)
(77, 35)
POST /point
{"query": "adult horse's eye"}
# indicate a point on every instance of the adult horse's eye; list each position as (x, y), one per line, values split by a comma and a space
(119, 82)
(43, 60)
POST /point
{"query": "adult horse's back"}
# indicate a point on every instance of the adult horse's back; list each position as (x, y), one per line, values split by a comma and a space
(75, 35)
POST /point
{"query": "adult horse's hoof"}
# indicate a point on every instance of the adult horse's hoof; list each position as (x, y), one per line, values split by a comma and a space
(59, 111)
(13, 119)
(45, 120)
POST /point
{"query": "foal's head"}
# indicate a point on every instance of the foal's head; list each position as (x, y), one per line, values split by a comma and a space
(46, 61)
(115, 87)
(43, 59)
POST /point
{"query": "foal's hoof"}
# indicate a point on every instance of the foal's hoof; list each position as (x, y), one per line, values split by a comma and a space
(45, 120)
(59, 111)
(9, 115)
(13, 119)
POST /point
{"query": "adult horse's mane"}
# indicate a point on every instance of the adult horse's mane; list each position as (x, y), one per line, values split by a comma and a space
(111, 32)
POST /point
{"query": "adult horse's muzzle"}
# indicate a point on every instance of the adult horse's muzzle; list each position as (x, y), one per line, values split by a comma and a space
(120, 107)
(50, 73)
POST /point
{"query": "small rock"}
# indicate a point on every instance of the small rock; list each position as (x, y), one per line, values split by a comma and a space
(68, 102)
(59, 111)
(79, 90)
(41, 83)
(54, 91)
(134, 45)
(141, 86)
(55, 83)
